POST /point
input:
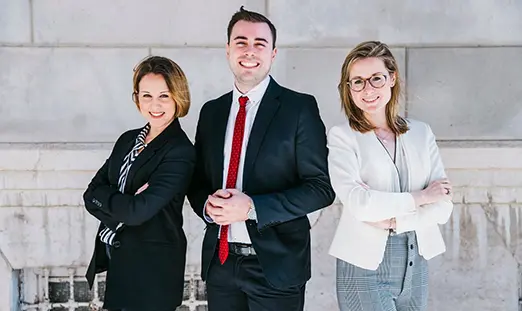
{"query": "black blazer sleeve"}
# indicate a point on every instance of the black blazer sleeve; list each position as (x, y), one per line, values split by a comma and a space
(200, 187)
(168, 182)
(91, 204)
(315, 190)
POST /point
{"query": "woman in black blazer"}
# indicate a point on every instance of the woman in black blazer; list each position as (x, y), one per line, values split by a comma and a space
(138, 197)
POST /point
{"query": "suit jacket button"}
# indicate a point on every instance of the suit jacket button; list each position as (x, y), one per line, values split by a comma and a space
(116, 244)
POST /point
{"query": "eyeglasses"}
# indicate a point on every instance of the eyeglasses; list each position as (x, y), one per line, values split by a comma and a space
(377, 80)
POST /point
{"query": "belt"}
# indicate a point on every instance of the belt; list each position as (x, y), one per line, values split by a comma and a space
(241, 249)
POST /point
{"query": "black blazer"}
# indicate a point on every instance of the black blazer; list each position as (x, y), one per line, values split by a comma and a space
(285, 174)
(148, 255)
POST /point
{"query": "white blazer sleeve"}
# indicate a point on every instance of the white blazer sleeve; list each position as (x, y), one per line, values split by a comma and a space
(429, 214)
(365, 204)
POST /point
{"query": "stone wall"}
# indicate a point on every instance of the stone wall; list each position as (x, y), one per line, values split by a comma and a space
(65, 96)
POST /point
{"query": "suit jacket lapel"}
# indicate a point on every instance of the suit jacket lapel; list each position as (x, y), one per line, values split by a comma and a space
(148, 152)
(117, 159)
(412, 156)
(267, 109)
(218, 128)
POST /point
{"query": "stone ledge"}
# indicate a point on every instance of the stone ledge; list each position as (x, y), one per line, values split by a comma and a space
(49, 156)
(41, 198)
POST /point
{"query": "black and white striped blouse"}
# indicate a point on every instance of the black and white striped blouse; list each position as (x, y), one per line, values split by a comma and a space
(106, 234)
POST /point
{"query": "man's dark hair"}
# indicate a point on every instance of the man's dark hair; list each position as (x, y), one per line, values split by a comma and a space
(252, 17)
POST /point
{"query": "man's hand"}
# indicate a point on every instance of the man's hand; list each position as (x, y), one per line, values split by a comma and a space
(221, 193)
(228, 206)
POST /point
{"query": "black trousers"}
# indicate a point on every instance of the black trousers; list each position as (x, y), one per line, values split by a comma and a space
(240, 285)
(108, 250)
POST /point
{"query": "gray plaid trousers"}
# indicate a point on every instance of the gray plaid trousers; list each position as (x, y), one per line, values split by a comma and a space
(399, 284)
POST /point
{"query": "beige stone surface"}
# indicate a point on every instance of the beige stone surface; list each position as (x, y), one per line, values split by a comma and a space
(15, 22)
(135, 22)
(341, 23)
(466, 93)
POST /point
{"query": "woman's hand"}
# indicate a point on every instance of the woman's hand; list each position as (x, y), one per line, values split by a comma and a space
(437, 191)
(383, 224)
(142, 188)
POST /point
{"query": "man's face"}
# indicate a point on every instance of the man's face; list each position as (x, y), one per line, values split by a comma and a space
(250, 53)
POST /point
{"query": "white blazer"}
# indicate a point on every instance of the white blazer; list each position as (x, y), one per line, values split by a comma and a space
(356, 158)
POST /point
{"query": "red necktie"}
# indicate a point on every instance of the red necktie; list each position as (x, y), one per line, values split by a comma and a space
(235, 155)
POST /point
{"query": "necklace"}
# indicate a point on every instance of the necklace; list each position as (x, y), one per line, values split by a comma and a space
(383, 138)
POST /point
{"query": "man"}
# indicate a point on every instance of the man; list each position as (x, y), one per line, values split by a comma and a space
(262, 167)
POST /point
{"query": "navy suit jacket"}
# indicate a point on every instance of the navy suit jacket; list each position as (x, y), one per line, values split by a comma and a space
(285, 173)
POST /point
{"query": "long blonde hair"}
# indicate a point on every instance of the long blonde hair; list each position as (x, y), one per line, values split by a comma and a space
(355, 115)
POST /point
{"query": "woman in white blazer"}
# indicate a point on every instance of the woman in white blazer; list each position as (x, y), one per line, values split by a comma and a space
(389, 177)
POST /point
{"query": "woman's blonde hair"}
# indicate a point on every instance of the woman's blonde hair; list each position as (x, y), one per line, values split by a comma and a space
(174, 78)
(354, 114)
